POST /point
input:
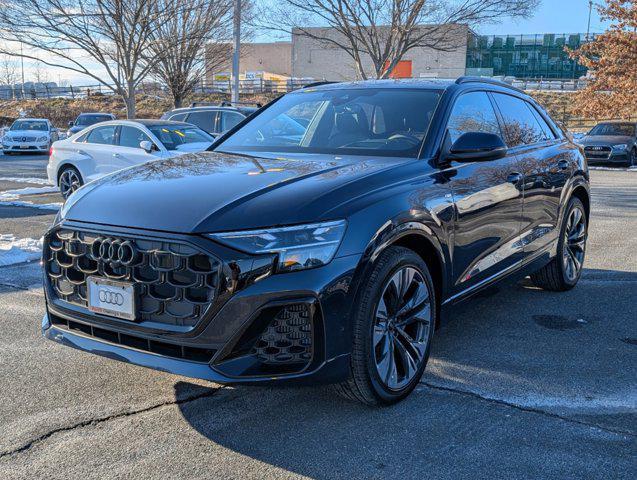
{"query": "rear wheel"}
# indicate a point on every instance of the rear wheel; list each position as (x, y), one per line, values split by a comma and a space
(69, 180)
(632, 162)
(564, 271)
(393, 327)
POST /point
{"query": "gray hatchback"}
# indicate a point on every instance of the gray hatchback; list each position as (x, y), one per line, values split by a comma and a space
(611, 142)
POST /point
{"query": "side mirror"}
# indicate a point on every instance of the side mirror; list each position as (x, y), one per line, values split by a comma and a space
(147, 146)
(477, 147)
(71, 124)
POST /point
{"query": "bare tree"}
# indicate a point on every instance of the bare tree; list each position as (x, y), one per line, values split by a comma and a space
(189, 42)
(40, 74)
(8, 70)
(381, 32)
(102, 39)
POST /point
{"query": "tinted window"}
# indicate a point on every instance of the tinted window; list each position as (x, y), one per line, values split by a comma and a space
(472, 112)
(131, 137)
(174, 137)
(229, 120)
(548, 133)
(102, 135)
(86, 120)
(520, 125)
(377, 121)
(179, 117)
(614, 129)
(204, 120)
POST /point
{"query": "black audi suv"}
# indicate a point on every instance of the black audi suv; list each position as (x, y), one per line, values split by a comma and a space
(328, 252)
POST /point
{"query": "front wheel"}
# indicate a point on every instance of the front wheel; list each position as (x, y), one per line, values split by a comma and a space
(565, 270)
(69, 180)
(393, 324)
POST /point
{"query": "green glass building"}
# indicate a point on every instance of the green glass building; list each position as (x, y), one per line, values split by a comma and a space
(525, 56)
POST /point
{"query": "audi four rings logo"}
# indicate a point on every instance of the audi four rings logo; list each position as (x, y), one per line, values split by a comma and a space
(114, 251)
(111, 298)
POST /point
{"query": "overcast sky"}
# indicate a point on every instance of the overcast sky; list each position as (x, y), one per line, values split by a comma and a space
(554, 16)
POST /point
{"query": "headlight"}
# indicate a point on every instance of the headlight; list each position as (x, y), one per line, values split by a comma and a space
(298, 247)
(43, 139)
(620, 148)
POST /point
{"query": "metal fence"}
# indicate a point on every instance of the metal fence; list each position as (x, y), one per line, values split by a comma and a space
(248, 86)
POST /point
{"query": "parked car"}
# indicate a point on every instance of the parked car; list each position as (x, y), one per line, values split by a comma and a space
(330, 258)
(214, 119)
(84, 120)
(29, 135)
(611, 142)
(109, 146)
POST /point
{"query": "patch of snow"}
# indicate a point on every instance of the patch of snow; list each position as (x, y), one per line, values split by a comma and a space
(15, 194)
(21, 250)
(36, 181)
(615, 169)
(55, 206)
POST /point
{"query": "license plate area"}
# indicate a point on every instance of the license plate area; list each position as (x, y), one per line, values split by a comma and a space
(112, 298)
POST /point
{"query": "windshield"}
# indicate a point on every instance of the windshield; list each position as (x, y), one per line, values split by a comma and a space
(175, 136)
(86, 120)
(614, 129)
(382, 122)
(30, 125)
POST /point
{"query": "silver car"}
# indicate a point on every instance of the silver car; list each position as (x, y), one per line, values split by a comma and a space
(32, 135)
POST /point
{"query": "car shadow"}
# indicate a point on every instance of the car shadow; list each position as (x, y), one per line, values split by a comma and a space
(509, 345)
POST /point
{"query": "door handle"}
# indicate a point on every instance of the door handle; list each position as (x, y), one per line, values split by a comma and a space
(563, 165)
(514, 178)
(116, 155)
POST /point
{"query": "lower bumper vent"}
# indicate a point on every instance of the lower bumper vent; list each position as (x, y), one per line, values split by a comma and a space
(193, 354)
(288, 337)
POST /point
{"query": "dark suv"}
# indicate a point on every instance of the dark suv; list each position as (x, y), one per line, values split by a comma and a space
(214, 119)
(323, 239)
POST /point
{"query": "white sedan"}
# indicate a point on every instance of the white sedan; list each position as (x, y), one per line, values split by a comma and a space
(29, 135)
(109, 146)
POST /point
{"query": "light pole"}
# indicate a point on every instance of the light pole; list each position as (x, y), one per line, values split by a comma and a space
(590, 12)
(236, 50)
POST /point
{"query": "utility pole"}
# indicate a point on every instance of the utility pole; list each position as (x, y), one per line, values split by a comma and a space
(590, 12)
(22, 62)
(236, 50)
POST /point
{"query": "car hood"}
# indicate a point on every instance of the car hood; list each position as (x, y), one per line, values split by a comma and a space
(76, 128)
(604, 140)
(211, 191)
(27, 133)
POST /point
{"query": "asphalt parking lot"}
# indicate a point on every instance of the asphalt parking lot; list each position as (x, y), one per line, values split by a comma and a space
(522, 383)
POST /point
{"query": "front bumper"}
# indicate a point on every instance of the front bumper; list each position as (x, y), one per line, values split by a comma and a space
(328, 291)
(612, 157)
(25, 147)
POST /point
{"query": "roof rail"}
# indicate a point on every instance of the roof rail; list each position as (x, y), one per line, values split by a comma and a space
(317, 84)
(227, 103)
(492, 81)
(203, 104)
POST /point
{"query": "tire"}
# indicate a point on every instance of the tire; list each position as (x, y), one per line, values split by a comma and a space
(6, 152)
(558, 276)
(69, 180)
(369, 382)
(632, 161)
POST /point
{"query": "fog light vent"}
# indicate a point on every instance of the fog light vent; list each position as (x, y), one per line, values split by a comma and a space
(288, 338)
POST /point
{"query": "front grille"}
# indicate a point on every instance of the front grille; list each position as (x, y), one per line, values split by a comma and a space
(175, 282)
(194, 354)
(288, 337)
(600, 152)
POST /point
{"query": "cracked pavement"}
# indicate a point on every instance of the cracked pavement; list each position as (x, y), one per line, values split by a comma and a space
(521, 384)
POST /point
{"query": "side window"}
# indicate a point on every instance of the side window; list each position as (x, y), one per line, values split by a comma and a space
(131, 137)
(102, 135)
(230, 119)
(205, 120)
(82, 138)
(548, 133)
(472, 112)
(520, 125)
(178, 117)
